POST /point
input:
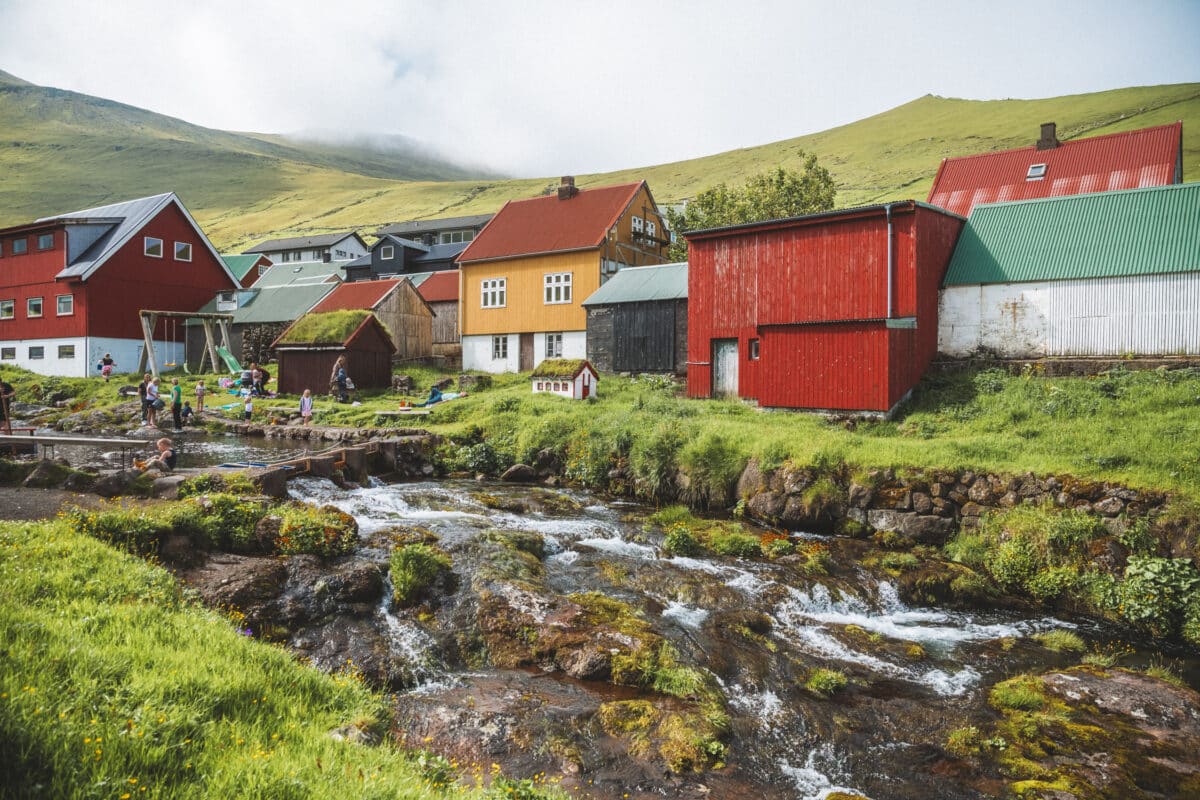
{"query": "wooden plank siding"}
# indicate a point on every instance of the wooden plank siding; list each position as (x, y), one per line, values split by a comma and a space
(526, 309)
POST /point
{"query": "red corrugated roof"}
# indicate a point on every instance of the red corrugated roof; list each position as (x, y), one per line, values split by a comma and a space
(356, 295)
(549, 225)
(1131, 160)
(440, 286)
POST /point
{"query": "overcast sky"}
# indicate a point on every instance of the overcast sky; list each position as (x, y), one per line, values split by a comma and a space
(563, 87)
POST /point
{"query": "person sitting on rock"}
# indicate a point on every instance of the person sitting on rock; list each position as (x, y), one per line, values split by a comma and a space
(165, 460)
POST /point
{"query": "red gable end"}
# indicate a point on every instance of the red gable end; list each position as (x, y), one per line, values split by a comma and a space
(1131, 160)
(550, 224)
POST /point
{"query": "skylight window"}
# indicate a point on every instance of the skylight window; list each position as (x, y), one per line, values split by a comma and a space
(1036, 172)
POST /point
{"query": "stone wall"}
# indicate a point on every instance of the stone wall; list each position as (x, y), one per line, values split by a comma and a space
(922, 507)
(257, 339)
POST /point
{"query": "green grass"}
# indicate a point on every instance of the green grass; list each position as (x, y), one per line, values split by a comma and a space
(330, 327)
(1061, 641)
(112, 684)
(85, 151)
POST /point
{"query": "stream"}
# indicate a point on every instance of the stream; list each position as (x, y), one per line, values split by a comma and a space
(914, 673)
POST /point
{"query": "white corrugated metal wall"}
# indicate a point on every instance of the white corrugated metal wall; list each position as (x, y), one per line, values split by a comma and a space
(1142, 315)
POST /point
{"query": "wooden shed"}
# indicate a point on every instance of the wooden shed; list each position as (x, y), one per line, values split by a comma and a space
(637, 321)
(830, 311)
(308, 349)
(397, 304)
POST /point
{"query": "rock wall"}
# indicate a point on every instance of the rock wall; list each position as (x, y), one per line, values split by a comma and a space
(922, 507)
(257, 339)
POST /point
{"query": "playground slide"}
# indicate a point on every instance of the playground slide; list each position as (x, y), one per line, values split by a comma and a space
(229, 360)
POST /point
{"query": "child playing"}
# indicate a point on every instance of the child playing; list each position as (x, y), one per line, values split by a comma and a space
(165, 460)
(201, 390)
(248, 404)
(186, 414)
(306, 407)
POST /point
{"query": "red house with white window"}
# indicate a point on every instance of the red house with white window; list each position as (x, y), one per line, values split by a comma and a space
(71, 285)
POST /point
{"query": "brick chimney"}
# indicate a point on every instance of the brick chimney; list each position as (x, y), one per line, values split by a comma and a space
(1049, 139)
(566, 189)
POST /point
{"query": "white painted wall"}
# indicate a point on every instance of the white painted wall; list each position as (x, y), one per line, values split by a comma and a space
(477, 354)
(574, 346)
(1141, 315)
(569, 389)
(88, 352)
(349, 246)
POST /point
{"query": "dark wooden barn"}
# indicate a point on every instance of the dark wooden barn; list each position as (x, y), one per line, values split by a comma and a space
(637, 321)
(309, 348)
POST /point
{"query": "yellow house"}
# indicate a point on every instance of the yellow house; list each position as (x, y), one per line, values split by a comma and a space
(526, 274)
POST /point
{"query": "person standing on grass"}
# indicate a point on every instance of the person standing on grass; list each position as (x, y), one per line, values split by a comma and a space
(153, 402)
(106, 366)
(176, 403)
(306, 407)
(201, 390)
(142, 397)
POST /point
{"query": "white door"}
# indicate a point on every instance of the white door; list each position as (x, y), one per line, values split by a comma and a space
(725, 368)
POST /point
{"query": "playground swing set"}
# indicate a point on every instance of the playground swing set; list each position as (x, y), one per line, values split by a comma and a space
(212, 353)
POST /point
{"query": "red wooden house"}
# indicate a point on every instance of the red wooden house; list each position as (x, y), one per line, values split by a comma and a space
(1050, 168)
(830, 311)
(71, 285)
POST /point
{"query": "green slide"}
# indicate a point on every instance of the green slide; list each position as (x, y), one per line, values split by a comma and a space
(229, 360)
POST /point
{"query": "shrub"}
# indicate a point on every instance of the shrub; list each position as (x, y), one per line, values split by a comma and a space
(779, 547)
(963, 741)
(990, 381)
(1157, 592)
(1022, 693)
(732, 543)
(1052, 583)
(137, 532)
(414, 568)
(589, 458)
(680, 541)
(1061, 641)
(653, 460)
(233, 519)
(324, 532)
(826, 682)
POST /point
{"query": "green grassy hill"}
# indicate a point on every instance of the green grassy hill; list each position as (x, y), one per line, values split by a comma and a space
(61, 151)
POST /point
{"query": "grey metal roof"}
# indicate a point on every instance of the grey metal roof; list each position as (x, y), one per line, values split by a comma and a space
(442, 252)
(420, 226)
(272, 304)
(417, 278)
(128, 217)
(301, 242)
(402, 242)
(642, 284)
(299, 272)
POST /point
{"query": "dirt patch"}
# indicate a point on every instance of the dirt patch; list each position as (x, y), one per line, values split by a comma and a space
(19, 503)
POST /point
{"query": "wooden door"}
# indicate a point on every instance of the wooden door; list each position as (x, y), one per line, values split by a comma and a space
(525, 361)
(725, 368)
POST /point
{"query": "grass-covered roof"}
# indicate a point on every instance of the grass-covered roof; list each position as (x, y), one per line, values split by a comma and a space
(559, 368)
(330, 327)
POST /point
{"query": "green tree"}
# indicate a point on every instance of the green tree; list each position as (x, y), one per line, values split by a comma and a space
(774, 194)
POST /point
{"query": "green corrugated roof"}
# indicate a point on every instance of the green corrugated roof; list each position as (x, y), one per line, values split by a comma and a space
(239, 265)
(281, 303)
(640, 284)
(300, 273)
(1103, 235)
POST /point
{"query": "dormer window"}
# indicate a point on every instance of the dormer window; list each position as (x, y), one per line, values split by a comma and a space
(1036, 172)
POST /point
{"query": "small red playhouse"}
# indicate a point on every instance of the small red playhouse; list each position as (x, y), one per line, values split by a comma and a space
(833, 311)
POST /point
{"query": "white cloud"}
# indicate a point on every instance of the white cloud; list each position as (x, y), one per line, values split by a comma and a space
(544, 88)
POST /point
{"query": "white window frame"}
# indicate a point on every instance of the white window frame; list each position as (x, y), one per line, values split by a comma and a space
(42, 236)
(754, 350)
(556, 288)
(499, 348)
(29, 308)
(8, 354)
(651, 229)
(8, 309)
(636, 223)
(39, 349)
(66, 348)
(147, 247)
(387, 252)
(554, 345)
(58, 305)
(1036, 172)
(493, 293)
(187, 248)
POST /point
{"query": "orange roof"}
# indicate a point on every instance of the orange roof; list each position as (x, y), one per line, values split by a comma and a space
(550, 225)
(1130, 160)
(440, 286)
(356, 295)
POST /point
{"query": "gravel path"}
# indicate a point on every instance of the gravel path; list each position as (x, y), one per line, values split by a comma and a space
(19, 503)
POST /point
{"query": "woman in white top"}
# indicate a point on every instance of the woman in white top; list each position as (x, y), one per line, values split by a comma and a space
(152, 403)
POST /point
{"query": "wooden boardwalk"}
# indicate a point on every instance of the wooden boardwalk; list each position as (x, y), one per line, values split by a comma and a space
(48, 442)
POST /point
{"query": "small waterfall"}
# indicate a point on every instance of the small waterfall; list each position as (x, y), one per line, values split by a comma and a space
(410, 646)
